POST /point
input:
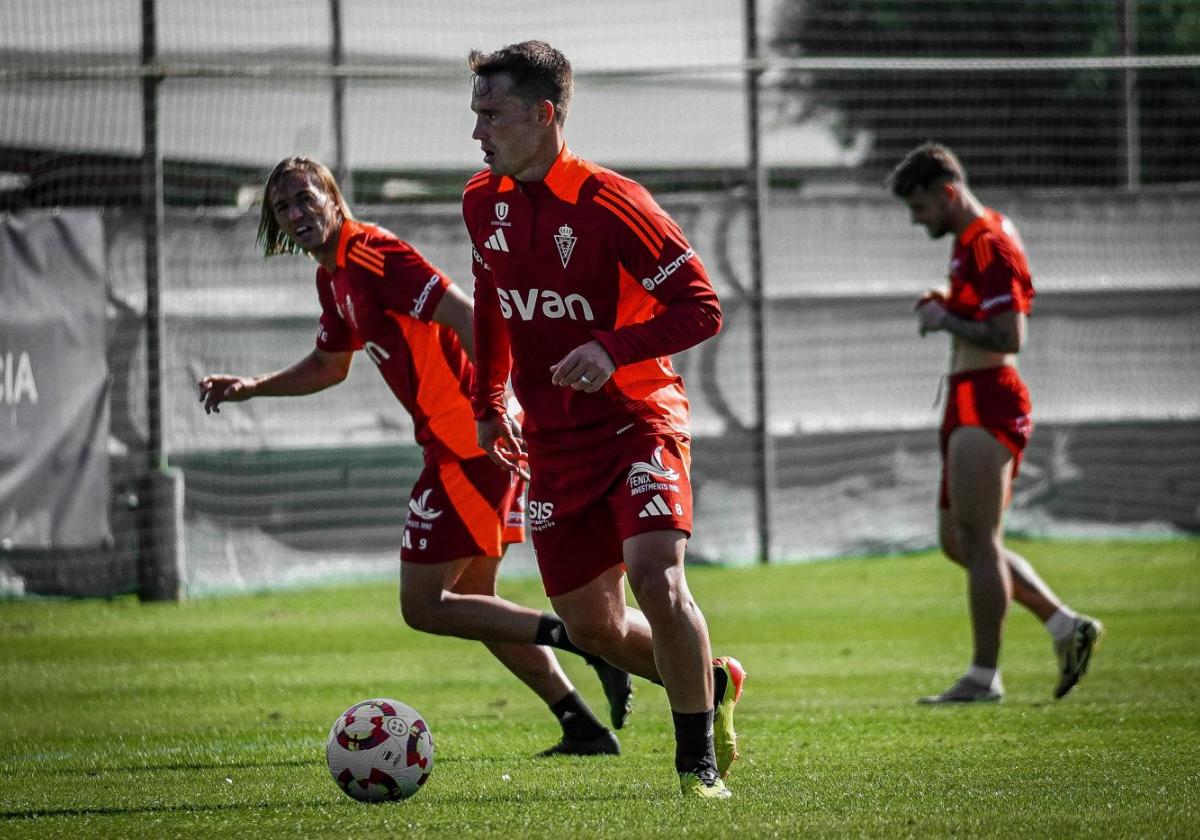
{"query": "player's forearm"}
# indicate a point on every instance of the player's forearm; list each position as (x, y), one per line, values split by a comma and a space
(682, 325)
(492, 366)
(987, 335)
(308, 376)
(493, 361)
(488, 400)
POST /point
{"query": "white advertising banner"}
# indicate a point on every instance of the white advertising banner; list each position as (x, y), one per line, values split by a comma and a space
(54, 382)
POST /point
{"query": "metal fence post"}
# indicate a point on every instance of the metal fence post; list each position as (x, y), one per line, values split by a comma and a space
(341, 166)
(158, 544)
(1127, 22)
(756, 195)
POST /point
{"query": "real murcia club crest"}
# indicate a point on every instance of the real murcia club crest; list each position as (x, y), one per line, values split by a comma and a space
(565, 240)
(501, 210)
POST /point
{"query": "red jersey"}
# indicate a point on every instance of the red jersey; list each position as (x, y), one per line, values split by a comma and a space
(988, 270)
(583, 254)
(380, 299)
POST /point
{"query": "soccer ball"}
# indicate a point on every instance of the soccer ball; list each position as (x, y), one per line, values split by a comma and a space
(379, 750)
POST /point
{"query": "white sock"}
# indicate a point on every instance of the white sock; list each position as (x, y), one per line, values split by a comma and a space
(984, 676)
(1062, 624)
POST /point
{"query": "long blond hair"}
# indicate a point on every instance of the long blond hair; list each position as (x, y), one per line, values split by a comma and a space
(270, 237)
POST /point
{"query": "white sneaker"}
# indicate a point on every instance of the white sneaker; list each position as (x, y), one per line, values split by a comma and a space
(1075, 652)
(966, 690)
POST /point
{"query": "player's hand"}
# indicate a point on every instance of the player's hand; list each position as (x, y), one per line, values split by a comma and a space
(932, 294)
(931, 313)
(220, 388)
(586, 368)
(503, 444)
(514, 423)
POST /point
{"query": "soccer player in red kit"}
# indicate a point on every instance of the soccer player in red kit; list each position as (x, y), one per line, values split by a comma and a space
(987, 419)
(583, 289)
(379, 295)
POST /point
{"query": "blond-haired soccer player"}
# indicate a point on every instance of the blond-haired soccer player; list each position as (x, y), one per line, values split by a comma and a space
(583, 289)
(378, 294)
(987, 419)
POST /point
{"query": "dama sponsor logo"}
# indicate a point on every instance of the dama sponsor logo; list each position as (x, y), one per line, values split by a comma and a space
(419, 301)
(665, 271)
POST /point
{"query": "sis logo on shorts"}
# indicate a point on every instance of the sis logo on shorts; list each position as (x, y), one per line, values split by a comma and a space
(539, 515)
(647, 476)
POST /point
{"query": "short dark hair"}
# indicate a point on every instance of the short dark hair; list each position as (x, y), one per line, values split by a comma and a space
(537, 69)
(272, 239)
(926, 165)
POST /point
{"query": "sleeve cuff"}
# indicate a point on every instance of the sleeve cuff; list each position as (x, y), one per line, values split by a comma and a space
(488, 412)
(608, 340)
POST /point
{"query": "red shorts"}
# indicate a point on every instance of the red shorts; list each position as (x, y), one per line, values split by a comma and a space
(995, 399)
(460, 509)
(581, 516)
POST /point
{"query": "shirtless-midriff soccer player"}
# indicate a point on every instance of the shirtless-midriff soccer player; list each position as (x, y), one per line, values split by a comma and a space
(987, 421)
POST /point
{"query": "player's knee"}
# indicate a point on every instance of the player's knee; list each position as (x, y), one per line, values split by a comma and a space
(420, 611)
(658, 592)
(593, 631)
(974, 542)
(951, 549)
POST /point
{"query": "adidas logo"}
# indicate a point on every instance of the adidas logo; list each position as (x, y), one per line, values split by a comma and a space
(497, 241)
(655, 507)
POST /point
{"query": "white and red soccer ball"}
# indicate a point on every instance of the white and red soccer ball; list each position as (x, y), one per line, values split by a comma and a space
(380, 750)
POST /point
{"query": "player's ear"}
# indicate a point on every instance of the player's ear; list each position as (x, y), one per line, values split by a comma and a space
(545, 112)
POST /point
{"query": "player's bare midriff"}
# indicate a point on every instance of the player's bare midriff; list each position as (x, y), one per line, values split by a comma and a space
(966, 356)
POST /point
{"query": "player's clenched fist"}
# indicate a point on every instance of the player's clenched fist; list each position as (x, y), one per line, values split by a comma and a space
(931, 311)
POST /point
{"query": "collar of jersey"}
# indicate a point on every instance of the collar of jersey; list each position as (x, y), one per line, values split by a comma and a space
(565, 179)
(976, 227)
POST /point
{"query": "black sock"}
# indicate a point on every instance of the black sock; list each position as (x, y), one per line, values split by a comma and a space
(693, 742)
(720, 681)
(576, 719)
(552, 632)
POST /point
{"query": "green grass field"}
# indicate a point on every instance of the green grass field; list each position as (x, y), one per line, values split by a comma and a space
(208, 719)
